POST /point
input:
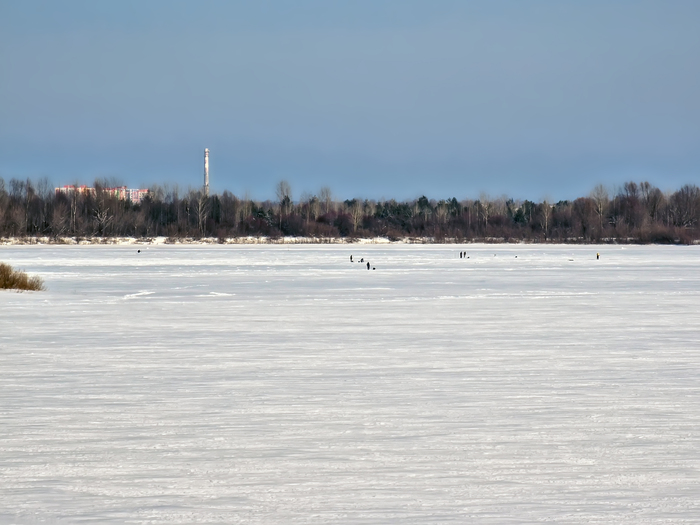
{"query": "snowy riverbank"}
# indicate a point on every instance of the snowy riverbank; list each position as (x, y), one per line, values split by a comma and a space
(117, 241)
(235, 240)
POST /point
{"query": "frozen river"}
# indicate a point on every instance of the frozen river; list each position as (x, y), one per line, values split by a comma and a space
(284, 384)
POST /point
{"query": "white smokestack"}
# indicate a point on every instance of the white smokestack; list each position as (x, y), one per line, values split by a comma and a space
(206, 172)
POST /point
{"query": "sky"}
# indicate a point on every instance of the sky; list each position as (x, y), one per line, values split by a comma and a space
(373, 99)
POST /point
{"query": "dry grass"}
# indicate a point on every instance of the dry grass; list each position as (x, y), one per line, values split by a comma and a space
(17, 280)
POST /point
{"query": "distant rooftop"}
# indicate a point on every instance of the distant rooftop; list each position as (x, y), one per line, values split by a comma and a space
(134, 195)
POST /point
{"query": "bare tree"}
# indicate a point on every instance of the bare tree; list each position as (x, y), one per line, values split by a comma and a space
(601, 199)
(686, 206)
(545, 217)
(631, 190)
(200, 204)
(246, 207)
(60, 219)
(485, 208)
(356, 213)
(652, 197)
(102, 219)
(284, 197)
(326, 198)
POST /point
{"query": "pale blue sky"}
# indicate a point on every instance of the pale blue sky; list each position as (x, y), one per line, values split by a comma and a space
(372, 98)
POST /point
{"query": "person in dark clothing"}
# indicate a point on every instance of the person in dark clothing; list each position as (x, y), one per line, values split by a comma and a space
(460, 255)
(362, 260)
(351, 258)
(368, 265)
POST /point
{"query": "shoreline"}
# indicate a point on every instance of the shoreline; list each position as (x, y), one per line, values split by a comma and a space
(251, 240)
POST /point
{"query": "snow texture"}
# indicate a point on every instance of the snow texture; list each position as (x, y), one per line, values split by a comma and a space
(285, 384)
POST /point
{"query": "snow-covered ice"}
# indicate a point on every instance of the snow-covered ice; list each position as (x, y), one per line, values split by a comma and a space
(284, 384)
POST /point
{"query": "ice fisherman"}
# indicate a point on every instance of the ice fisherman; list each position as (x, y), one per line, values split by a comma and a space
(368, 265)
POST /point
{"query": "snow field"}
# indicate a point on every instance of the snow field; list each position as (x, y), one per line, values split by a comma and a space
(284, 384)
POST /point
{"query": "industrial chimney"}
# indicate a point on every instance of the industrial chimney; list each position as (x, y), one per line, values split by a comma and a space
(206, 172)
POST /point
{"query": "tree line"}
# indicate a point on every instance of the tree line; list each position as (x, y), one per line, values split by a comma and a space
(632, 213)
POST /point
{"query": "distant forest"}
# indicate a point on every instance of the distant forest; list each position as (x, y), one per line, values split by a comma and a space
(633, 213)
